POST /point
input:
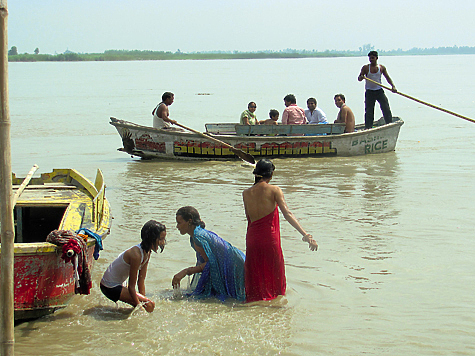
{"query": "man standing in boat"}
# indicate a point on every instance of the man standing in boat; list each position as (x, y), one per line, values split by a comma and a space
(161, 119)
(375, 92)
(345, 115)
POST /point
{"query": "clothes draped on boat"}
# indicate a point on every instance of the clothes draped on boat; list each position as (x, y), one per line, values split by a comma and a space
(264, 267)
(223, 275)
(71, 241)
(98, 246)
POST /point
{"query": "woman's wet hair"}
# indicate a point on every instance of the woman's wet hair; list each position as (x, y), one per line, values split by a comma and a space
(264, 169)
(150, 233)
(189, 213)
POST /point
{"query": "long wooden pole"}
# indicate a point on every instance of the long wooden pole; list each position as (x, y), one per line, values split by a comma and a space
(422, 102)
(7, 234)
(240, 153)
(24, 184)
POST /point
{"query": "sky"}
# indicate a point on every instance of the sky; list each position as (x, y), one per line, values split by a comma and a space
(93, 26)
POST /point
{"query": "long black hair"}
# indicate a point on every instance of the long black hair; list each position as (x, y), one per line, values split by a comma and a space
(189, 213)
(150, 233)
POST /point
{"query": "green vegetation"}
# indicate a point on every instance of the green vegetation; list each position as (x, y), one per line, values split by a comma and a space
(136, 55)
(13, 51)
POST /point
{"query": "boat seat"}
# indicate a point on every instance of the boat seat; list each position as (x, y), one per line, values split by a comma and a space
(221, 129)
(317, 129)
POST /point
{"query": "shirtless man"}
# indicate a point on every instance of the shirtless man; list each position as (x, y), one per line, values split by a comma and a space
(374, 92)
(345, 115)
(161, 119)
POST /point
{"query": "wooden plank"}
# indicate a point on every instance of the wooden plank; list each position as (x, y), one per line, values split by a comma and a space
(49, 186)
(263, 129)
(221, 128)
(318, 129)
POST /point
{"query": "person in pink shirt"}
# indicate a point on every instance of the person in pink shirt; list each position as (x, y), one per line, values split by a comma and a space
(293, 115)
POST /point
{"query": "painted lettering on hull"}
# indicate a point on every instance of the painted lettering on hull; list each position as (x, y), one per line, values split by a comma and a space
(375, 147)
(372, 144)
(301, 148)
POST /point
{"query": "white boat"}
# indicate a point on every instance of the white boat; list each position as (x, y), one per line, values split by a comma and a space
(269, 141)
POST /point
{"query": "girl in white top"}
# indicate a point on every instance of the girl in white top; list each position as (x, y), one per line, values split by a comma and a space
(132, 264)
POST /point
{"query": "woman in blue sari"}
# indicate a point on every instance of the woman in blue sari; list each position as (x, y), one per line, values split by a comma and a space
(219, 269)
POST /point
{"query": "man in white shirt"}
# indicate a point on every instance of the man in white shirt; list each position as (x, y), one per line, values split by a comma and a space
(374, 92)
(313, 114)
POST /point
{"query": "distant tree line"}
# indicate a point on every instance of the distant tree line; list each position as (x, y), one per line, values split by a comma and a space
(126, 55)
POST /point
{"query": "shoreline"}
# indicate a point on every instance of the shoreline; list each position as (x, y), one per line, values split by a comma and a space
(136, 55)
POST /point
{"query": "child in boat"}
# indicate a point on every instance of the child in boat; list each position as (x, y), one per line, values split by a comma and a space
(132, 264)
(274, 117)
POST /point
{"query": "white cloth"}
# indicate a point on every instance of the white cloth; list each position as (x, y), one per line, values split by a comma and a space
(373, 76)
(316, 117)
(158, 121)
(118, 271)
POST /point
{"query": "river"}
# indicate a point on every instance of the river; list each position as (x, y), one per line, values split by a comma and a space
(394, 271)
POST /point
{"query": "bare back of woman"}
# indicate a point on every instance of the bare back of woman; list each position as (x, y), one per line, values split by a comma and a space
(259, 200)
(264, 266)
(262, 198)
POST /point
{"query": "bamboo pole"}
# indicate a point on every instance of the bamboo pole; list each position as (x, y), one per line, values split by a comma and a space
(241, 154)
(7, 232)
(422, 102)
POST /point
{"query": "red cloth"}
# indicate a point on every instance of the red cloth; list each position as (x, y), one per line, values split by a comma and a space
(69, 240)
(70, 245)
(264, 267)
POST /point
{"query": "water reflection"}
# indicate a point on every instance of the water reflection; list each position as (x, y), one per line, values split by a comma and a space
(350, 204)
(109, 312)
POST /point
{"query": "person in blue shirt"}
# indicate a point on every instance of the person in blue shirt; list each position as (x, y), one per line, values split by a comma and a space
(219, 268)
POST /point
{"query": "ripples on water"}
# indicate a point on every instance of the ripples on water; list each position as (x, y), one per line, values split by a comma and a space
(393, 273)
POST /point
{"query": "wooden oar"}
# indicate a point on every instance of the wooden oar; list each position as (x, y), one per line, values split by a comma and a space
(422, 102)
(241, 154)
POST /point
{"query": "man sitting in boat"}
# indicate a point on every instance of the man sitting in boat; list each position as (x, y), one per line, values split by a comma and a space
(345, 115)
(292, 115)
(248, 117)
(161, 119)
(314, 114)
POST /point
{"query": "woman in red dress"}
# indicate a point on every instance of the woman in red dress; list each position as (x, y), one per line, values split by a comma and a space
(264, 267)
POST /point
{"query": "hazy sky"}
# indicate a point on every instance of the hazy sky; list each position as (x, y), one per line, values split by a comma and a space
(93, 26)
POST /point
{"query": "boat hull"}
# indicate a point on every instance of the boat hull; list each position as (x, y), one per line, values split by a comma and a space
(60, 200)
(148, 142)
(43, 282)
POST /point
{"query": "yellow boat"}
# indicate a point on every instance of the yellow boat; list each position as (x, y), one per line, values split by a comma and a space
(61, 200)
